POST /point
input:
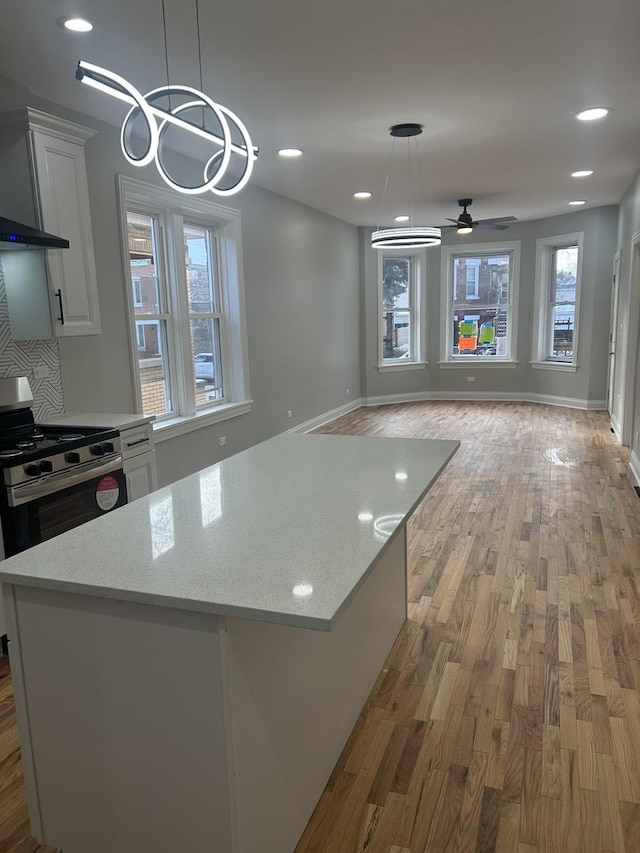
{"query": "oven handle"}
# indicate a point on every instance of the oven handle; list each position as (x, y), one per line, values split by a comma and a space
(18, 495)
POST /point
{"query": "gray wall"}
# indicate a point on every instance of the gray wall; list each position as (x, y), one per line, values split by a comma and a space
(628, 310)
(302, 292)
(587, 383)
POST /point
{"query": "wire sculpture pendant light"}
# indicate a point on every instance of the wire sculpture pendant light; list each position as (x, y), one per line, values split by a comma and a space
(411, 236)
(179, 106)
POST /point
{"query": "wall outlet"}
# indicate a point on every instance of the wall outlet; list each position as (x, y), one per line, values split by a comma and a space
(41, 370)
(471, 378)
(222, 440)
(289, 413)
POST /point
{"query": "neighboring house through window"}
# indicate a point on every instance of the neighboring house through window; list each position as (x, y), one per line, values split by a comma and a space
(558, 275)
(479, 303)
(185, 304)
(401, 308)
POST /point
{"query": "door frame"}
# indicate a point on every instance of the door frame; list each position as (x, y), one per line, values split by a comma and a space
(631, 342)
(613, 342)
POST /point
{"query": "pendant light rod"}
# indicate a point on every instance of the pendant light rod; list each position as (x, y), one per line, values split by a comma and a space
(413, 237)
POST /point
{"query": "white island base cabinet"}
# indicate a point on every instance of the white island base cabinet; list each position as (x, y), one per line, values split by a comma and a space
(151, 728)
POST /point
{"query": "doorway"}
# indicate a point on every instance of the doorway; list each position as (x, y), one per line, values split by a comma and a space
(613, 337)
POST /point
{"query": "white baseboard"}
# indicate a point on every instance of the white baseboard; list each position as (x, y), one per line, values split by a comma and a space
(488, 396)
(634, 465)
(616, 427)
(327, 417)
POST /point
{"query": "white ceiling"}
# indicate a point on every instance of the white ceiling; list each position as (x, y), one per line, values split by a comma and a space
(495, 83)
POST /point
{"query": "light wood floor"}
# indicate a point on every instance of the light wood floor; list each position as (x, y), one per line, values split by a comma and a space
(508, 715)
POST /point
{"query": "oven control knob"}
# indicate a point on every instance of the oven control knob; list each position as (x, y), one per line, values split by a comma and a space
(108, 447)
(32, 470)
(72, 457)
(46, 467)
(97, 450)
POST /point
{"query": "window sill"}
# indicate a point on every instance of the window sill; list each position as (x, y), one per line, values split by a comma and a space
(173, 427)
(561, 366)
(477, 362)
(406, 365)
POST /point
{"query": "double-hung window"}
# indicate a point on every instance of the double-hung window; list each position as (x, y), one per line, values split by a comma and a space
(558, 273)
(401, 308)
(479, 303)
(184, 282)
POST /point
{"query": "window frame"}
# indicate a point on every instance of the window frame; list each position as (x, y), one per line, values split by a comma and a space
(416, 310)
(545, 250)
(172, 211)
(474, 250)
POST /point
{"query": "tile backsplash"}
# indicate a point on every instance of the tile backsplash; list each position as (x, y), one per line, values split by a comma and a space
(22, 358)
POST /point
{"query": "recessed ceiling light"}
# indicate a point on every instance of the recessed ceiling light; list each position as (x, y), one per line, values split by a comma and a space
(76, 25)
(362, 194)
(582, 173)
(577, 202)
(290, 152)
(402, 218)
(593, 114)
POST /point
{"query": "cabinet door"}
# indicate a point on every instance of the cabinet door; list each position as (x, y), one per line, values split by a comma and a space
(64, 209)
(140, 474)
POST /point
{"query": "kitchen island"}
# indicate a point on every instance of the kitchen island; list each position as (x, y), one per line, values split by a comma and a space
(188, 668)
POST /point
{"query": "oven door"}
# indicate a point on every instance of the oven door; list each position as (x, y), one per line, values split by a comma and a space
(42, 509)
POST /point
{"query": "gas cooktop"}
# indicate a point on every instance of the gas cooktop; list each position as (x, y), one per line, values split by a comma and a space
(20, 445)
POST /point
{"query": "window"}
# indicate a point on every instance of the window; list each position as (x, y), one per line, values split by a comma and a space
(401, 323)
(137, 290)
(479, 299)
(558, 272)
(185, 302)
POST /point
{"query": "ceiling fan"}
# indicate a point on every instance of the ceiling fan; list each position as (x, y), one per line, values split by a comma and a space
(465, 222)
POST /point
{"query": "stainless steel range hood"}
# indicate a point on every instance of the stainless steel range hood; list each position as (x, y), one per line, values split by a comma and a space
(13, 236)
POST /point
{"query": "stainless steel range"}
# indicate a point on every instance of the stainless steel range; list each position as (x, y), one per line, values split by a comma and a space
(54, 478)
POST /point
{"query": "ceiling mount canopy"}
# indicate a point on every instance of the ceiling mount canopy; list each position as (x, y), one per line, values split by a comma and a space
(411, 236)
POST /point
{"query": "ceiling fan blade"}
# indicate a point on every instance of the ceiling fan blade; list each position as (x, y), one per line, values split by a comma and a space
(497, 219)
(494, 226)
(455, 221)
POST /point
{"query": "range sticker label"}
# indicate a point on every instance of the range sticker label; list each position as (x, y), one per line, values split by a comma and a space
(107, 493)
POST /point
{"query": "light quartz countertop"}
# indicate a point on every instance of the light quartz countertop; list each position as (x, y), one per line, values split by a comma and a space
(99, 419)
(284, 532)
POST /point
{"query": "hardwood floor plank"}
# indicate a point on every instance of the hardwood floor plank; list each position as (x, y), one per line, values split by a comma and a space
(508, 714)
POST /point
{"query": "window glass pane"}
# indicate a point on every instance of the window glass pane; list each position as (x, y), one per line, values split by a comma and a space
(142, 262)
(563, 327)
(148, 302)
(207, 363)
(396, 338)
(396, 280)
(481, 313)
(200, 284)
(153, 365)
(565, 274)
(485, 278)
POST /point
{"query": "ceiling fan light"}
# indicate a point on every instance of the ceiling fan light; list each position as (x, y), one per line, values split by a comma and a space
(465, 229)
(416, 237)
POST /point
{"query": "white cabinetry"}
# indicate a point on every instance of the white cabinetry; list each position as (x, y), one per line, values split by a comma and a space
(55, 160)
(139, 461)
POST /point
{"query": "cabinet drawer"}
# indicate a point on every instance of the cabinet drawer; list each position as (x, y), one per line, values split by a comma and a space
(136, 441)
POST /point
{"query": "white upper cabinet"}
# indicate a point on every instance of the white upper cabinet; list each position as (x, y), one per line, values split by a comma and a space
(56, 162)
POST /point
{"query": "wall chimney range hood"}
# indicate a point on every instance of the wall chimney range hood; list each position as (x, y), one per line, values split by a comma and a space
(13, 235)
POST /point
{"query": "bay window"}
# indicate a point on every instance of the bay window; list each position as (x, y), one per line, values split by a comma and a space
(401, 308)
(479, 303)
(558, 274)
